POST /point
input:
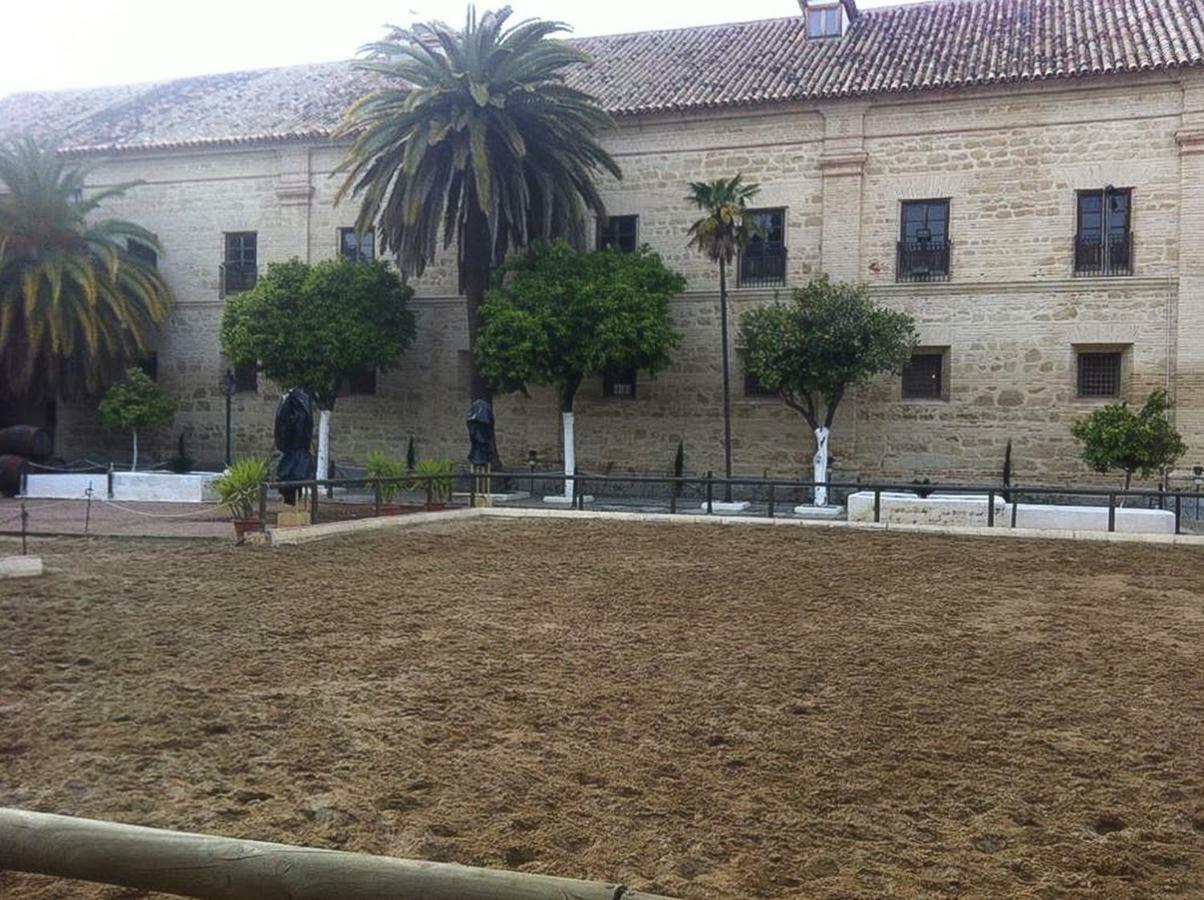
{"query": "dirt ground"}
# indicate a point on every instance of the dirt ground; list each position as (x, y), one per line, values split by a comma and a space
(701, 711)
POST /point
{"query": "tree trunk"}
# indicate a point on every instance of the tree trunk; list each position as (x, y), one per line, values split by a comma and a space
(727, 384)
(134, 462)
(478, 257)
(323, 467)
(820, 471)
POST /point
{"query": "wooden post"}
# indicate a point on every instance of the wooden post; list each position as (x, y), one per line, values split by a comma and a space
(203, 866)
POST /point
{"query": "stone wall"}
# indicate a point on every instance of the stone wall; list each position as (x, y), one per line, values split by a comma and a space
(1009, 159)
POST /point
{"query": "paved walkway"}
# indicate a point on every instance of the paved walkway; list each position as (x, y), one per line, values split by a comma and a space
(107, 517)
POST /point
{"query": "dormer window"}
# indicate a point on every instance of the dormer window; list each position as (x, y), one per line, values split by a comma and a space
(827, 18)
(825, 21)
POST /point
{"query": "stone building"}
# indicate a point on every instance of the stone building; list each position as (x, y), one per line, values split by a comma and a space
(1025, 177)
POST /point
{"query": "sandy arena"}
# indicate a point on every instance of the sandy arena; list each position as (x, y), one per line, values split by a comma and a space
(699, 711)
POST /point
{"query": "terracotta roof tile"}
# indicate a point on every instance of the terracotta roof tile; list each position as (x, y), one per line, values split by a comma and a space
(942, 44)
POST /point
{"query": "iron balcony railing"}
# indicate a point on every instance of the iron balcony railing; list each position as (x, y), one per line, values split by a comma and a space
(234, 278)
(1097, 256)
(763, 266)
(923, 261)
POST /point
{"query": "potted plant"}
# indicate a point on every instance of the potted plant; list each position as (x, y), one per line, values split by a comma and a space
(238, 491)
(391, 474)
(436, 477)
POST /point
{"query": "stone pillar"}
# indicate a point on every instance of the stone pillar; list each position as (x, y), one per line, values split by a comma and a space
(1187, 385)
(294, 194)
(842, 164)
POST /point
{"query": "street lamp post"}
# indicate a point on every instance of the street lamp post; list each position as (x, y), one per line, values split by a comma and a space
(226, 384)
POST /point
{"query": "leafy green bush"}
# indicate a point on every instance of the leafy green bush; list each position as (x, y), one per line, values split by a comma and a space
(384, 467)
(439, 474)
(238, 487)
(1116, 437)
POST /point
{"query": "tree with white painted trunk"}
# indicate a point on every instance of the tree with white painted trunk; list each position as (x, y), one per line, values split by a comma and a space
(316, 327)
(561, 317)
(135, 403)
(829, 338)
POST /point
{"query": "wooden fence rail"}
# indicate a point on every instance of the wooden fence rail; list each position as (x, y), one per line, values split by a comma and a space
(204, 866)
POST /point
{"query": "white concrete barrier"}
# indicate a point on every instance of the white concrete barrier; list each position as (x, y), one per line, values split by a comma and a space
(1090, 518)
(165, 487)
(66, 485)
(898, 508)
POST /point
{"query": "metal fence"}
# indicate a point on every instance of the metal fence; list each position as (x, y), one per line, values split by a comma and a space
(703, 494)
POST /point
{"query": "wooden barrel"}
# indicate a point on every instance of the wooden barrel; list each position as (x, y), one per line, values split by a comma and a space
(11, 467)
(26, 440)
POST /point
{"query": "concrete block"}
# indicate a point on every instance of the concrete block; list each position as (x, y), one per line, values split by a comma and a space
(1091, 518)
(958, 510)
(20, 566)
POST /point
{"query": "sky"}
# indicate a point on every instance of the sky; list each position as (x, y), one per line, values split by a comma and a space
(53, 44)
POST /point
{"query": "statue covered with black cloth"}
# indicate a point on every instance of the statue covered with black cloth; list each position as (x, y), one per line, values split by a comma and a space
(294, 434)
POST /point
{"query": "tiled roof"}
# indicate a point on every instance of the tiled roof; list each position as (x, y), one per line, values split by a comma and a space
(941, 44)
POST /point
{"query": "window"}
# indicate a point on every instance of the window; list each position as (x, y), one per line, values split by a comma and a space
(141, 252)
(1103, 241)
(824, 21)
(763, 261)
(150, 365)
(363, 383)
(619, 383)
(754, 388)
(246, 378)
(1099, 373)
(619, 232)
(923, 376)
(923, 241)
(240, 270)
(355, 247)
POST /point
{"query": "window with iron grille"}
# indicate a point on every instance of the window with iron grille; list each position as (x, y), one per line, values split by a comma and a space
(619, 383)
(1103, 243)
(763, 261)
(923, 377)
(826, 21)
(355, 247)
(752, 384)
(619, 232)
(143, 253)
(246, 378)
(240, 269)
(1099, 374)
(150, 365)
(923, 241)
(362, 383)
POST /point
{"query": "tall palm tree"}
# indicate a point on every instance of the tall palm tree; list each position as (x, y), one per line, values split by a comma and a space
(474, 137)
(720, 234)
(76, 305)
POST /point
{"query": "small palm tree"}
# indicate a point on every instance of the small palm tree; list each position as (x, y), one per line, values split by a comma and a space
(76, 306)
(723, 232)
(474, 138)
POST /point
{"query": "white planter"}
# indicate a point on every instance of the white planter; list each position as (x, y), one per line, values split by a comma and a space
(164, 487)
(1091, 518)
(958, 510)
(66, 486)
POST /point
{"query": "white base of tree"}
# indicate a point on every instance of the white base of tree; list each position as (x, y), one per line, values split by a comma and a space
(323, 467)
(570, 455)
(820, 470)
(134, 461)
(807, 511)
(724, 506)
(562, 500)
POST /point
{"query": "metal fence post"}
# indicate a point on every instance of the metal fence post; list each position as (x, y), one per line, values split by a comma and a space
(263, 507)
(1178, 513)
(1015, 506)
(576, 501)
(877, 505)
(313, 504)
(1111, 512)
(376, 498)
(771, 499)
(990, 509)
(710, 491)
(674, 487)
(472, 490)
(429, 485)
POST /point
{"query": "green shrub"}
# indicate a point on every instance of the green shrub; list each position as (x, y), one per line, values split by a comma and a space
(384, 467)
(238, 487)
(439, 474)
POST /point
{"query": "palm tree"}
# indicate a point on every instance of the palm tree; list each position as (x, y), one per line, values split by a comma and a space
(723, 232)
(474, 137)
(76, 305)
